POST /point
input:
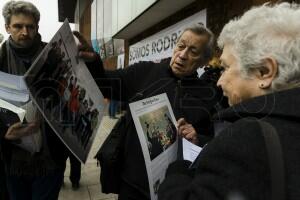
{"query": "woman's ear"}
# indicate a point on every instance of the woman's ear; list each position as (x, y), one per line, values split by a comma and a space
(267, 72)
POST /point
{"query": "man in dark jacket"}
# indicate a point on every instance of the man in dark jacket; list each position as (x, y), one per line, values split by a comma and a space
(190, 97)
(3, 190)
(261, 80)
(29, 176)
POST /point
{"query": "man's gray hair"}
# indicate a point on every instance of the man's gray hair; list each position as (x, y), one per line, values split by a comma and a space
(20, 7)
(264, 32)
(1, 38)
(200, 29)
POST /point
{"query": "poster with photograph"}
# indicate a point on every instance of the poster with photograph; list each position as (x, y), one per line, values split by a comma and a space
(155, 124)
(121, 61)
(119, 46)
(65, 93)
(102, 52)
(109, 47)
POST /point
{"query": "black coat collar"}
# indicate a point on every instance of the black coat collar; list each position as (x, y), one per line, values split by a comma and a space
(283, 104)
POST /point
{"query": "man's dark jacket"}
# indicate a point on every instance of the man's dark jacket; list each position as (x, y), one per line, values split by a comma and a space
(191, 98)
(55, 148)
(235, 163)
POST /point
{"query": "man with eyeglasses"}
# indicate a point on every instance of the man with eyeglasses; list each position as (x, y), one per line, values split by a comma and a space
(192, 98)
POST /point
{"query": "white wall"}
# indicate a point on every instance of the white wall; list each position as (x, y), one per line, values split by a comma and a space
(99, 18)
(124, 13)
(141, 6)
(113, 15)
(107, 24)
(93, 20)
(114, 28)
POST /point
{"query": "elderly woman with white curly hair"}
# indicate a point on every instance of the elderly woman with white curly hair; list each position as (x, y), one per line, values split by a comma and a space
(257, 155)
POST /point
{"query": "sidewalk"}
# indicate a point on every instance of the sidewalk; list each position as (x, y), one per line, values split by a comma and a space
(90, 188)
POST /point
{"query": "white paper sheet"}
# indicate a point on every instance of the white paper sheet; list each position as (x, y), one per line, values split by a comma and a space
(155, 124)
(13, 88)
(190, 150)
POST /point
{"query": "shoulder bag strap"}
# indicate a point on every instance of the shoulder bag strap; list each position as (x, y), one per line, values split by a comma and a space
(275, 154)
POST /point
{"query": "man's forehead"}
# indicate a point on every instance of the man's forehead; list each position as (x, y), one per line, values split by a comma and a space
(22, 18)
(193, 40)
(185, 34)
(191, 33)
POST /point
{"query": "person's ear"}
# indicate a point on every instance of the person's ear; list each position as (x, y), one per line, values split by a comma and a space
(7, 28)
(267, 72)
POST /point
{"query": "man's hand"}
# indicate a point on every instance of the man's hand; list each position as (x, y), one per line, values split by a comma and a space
(85, 50)
(187, 131)
(19, 130)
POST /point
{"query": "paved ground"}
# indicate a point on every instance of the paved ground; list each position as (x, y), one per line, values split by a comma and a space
(90, 188)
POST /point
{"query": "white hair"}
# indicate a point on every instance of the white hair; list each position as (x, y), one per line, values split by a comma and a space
(267, 31)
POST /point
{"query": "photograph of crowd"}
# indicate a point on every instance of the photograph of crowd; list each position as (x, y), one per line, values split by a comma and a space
(159, 130)
(63, 98)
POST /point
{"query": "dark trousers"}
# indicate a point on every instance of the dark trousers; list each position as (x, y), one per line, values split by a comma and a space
(3, 189)
(128, 192)
(75, 169)
(113, 105)
(35, 188)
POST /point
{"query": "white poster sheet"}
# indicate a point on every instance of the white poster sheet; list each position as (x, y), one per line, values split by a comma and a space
(66, 93)
(13, 88)
(16, 106)
(155, 124)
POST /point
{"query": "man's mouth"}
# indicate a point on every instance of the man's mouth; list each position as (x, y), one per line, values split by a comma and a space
(179, 64)
(25, 39)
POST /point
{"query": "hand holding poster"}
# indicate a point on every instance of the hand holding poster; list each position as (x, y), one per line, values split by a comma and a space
(155, 124)
(15, 107)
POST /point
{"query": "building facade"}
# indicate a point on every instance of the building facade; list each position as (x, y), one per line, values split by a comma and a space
(118, 29)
